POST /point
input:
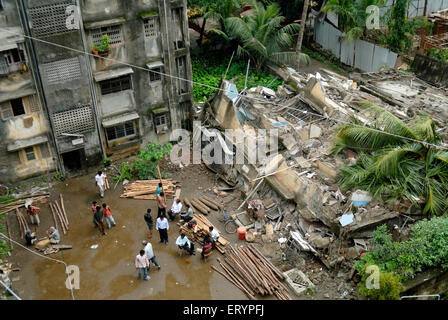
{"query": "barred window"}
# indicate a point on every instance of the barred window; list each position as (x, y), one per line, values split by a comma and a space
(77, 120)
(115, 85)
(30, 154)
(181, 68)
(62, 71)
(123, 130)
(160, 120)
(151, 27)
(50, 20)
(113, 32)
(155, 74)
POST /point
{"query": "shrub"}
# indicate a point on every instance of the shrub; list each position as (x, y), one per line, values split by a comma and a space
(426, 248)
(389, 287)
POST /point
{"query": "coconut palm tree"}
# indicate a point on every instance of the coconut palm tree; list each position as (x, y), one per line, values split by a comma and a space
(397, 160)
(352, 15)
(302, 30)
(261, 37)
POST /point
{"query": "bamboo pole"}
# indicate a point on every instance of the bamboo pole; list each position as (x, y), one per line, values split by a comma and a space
(59, 218)
(54, 216)
(63, 208)
(20, 223)
(61, 215)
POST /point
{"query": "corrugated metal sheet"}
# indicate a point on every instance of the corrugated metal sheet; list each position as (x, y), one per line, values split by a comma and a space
(360, 54)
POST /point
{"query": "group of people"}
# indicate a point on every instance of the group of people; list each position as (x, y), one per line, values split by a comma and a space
(100, 214)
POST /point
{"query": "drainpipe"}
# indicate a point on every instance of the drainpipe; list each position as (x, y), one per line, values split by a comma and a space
(92, 89)
(168, 44)
(37, 79)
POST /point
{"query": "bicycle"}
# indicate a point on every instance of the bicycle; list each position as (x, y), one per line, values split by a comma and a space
(230, 225)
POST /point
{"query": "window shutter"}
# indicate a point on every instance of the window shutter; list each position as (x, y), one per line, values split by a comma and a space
(6, 111)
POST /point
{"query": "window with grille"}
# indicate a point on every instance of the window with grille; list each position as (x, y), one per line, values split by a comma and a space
(62, 71)
(114, 33)
(151, 27)
(181, 68)
(77, 120)
(123, 130)
(160, 120)
(178, 28)
(33, 103)
(6, 110)
(115, 85)
(30, 154)
(50, 20)
(155, 74)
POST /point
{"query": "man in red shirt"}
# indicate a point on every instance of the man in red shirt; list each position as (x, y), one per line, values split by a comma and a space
(33, 212)
(108, 215)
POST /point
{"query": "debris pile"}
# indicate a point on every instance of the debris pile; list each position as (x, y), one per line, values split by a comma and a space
(201, 230)
(251, 272)
(146, 189)
(299, 183)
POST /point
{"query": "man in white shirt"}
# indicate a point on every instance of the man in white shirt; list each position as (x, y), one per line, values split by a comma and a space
(162, 226)
(183, 243)
(150, 253)
(175, 209)
(99, 178)
(214, 234)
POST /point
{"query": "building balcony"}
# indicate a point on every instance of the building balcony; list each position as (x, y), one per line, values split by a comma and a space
(7, 68)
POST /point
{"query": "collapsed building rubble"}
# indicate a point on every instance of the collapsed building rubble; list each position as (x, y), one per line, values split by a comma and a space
(298, 185)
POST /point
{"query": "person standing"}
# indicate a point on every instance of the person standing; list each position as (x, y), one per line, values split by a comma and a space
(141, 264)
(98, 217)
(149, 221)
(161, 205)
(183, 243)
(175, 209)
(187, 215)
(150, 253)
(159, 188)
(162, 226)
(93, 207)
(99, 179)
(33, 212)
(108, 215)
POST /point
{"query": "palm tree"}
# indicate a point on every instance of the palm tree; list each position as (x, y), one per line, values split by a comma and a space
(397, 160)
(352, 15)
(261, 37)
(302, 30)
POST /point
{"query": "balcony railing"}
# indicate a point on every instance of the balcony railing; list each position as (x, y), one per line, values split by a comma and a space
(7, 68)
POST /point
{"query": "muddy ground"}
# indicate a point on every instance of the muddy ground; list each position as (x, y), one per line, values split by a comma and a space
(108, 272)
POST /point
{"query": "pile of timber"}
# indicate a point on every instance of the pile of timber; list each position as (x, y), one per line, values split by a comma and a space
(58, 211)
(204, 204)
(20, 202)
(146, 189)
(199, 232)
(23, 225)
(251, 272)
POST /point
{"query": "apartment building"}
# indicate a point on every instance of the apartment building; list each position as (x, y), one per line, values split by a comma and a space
(98, 104)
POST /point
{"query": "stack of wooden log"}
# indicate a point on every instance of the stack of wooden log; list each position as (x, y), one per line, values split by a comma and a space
(204, 204)
(20, 202)
(58, 211)
(146, 189)
(199, 232)
(106, 184)
(23, 225)
(251, 272)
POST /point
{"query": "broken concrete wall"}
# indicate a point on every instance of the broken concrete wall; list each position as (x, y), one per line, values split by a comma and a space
(431, 70)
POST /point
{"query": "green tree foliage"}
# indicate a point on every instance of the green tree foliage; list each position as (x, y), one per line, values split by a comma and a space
(145, 165)
(352, 15)
(209, 70)
(426, 248)
(261, 37)
(392, 166)
(439, 54)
